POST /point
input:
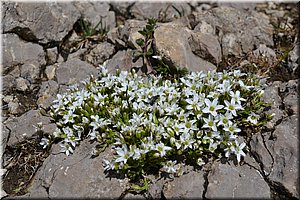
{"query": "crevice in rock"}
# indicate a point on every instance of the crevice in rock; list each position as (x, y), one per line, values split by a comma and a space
(205, 184)
(269, 152)
(278, 191)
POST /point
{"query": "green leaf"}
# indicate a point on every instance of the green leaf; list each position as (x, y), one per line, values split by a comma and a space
(143, 32)
(140, 42)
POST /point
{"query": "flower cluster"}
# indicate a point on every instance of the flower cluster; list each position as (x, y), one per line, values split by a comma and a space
(152, 123)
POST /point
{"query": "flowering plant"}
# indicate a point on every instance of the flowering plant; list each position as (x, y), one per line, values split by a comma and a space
(157, 124)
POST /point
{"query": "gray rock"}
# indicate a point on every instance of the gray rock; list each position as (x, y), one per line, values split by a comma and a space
(229, 181)
(76, 176)
(31, 71)
(261, 152)
(121, 7)
(204, 27)
(293, 61)
(286, 153)
(265, 53)
(134, 196)
(50, 71)
(9, 80)
(43, 22)
(171, 41)
(24, 126)
(4, 138)
(94, 11)
(162, 11)
(47, 93)
(113, 36)
(271, 95)
(243, 6)
(14, 107)
(129, 33)
(22, 84)
(18, 52)
(206, 46)
(51, 21)
(238, 30)
(100, 53)
(185, 187)
(51, 55)
(122, 60)
(290, 92)
(73, 71)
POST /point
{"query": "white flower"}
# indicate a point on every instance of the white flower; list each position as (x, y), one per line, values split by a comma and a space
(232, 106)
(194, 103)
(162, 148)
(123, 154)
(224, 119)
(66, 148)
(231, 128)
(238, 150)
(212, 107)
(252, 118)
(170, 167)
(44, 142)
(236, 97)
(210, 122)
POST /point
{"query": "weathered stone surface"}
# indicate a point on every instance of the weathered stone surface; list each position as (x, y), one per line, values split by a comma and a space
(122, 60)
(171, 41)
(206, 46)
(50, 71)
(100, 53)
(44, 22)
(185, 187)
(227, 181)
(51, 55)
(286, 153)
(47, 93)
(76, 176)
(238, 30)
(129, 33)
(94, 11)
(73, 71)
(290, 91)
(164, 11)
(9, 80)
(51, 21)
(24, 126)
(17, 51)
(294, 60)
(22, 84)
(245, 5)
(271, 95)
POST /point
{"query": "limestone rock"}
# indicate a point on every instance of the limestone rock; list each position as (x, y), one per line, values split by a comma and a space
(47, 93)
(76, 176)
(164, 11)
(17, 51)
(271, 95)
(286, 153)
(51, 21)
(171, 41)
(22, 84)
(100, 53)
(122, 60)
(206, 46)
(238, 30)
(43, 22)
(24, 126)
(50, 71)
(73, 71)
(187, 186)
(228, 181)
